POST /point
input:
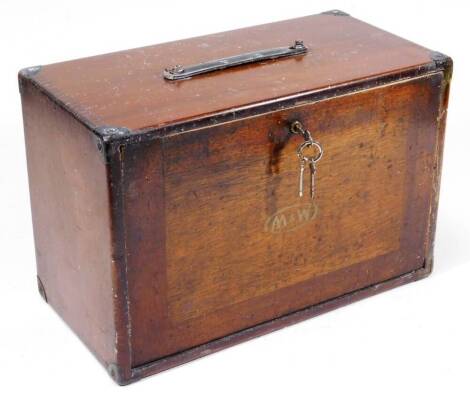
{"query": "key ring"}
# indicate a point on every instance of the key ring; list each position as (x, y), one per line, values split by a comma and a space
(312, 159)
(297, 128)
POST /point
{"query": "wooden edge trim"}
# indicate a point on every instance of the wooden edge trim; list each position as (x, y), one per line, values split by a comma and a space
(117, 135)
(437, 163)
(179, 358)
(121, 370)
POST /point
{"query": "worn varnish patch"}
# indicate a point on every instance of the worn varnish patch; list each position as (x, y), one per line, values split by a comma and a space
(196, 206)
(361, 184)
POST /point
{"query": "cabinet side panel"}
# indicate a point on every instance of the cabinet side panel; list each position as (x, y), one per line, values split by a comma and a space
(71, 220)
(437, 162)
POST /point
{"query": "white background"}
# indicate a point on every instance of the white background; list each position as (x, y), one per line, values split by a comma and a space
(413, 339)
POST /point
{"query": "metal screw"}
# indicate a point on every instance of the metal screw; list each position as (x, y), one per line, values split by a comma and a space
(177, 69)
(296, 127)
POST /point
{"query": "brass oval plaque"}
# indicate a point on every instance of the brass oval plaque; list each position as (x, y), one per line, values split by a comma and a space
(291, 217)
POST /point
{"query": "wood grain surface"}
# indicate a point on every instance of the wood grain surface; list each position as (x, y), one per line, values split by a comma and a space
(126, 89)
(71, 221)
(166, 215)
(201, 262)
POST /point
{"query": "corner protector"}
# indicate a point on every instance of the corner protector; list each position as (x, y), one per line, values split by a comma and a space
(427, 269)
(442, 62)
(41, 289)
(27, 74)
(106, 135)
(336, 13)
(111, 134)
(117, 374)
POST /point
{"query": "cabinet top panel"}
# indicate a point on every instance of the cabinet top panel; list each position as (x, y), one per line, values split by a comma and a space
(127, 88)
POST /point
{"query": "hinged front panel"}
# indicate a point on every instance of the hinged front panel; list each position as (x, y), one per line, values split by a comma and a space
(218, 239)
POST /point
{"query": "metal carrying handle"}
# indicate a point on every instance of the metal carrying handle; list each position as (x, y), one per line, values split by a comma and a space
(180, 72)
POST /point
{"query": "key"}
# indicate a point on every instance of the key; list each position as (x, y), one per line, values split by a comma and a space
(301, 177)
(313, 169)
(311, 160)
